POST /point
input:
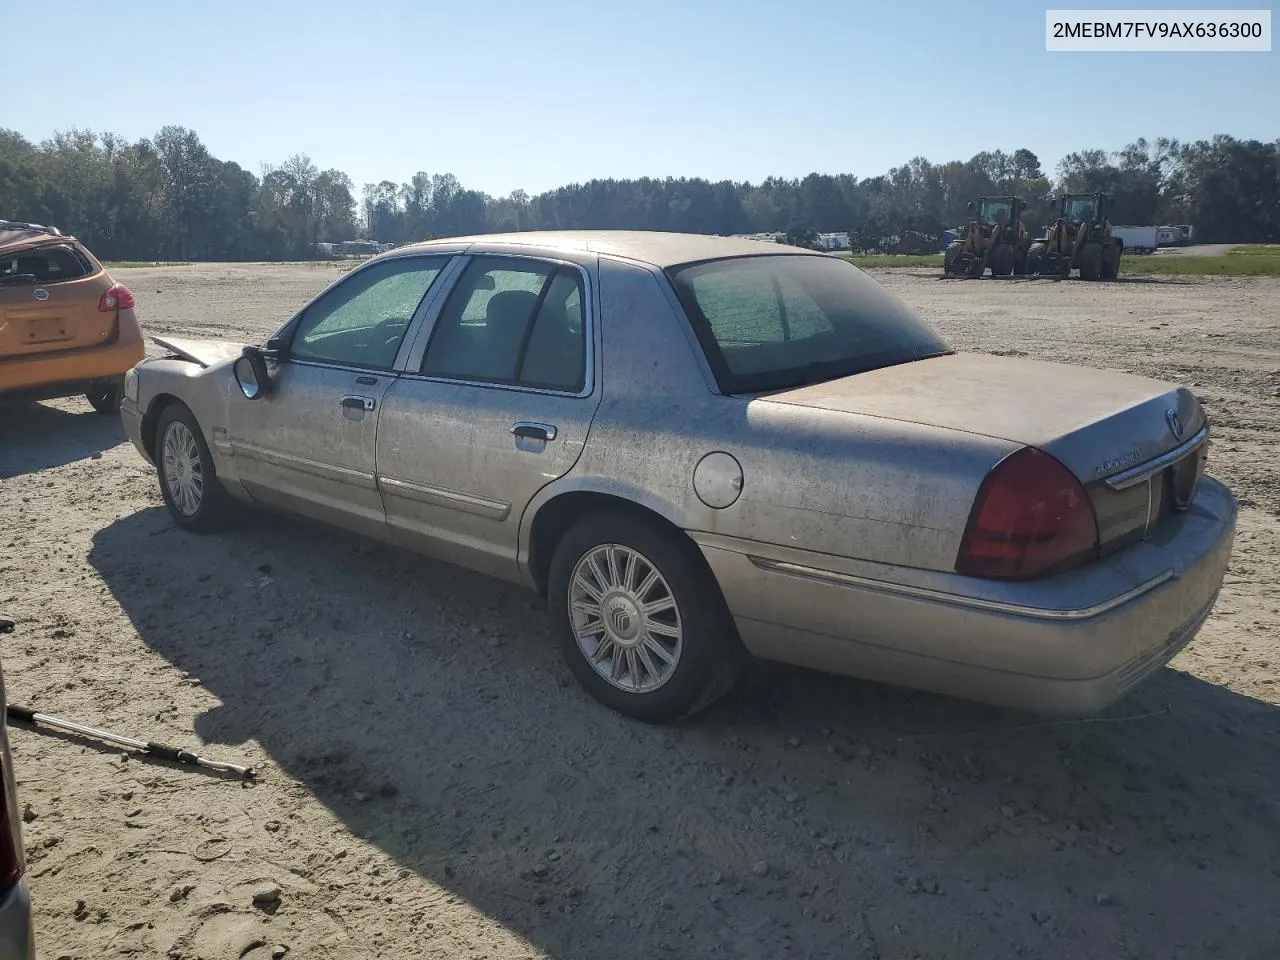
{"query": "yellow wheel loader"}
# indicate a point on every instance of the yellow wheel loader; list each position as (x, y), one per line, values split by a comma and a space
(995, 238)
(1080, 239)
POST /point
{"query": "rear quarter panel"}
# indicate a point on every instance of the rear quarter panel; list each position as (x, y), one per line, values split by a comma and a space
(821, 481)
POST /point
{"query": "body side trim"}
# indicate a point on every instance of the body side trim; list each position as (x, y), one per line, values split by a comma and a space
(939, 596)
(328, 471)
(440, 497)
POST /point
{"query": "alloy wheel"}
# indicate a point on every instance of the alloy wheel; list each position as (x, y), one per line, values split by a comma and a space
(183, 468)
(625, 618)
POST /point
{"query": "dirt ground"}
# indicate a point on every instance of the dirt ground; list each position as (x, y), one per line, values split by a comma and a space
(431, 782)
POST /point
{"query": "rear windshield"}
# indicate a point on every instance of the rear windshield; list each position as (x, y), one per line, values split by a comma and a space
(772, 322)
(52, 263)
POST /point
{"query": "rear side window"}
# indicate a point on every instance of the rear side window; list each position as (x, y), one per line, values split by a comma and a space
(774, 322)
(512, 321)
(745, 308)
(54, 263)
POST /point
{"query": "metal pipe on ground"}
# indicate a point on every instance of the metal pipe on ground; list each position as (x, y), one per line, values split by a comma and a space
(152, 747)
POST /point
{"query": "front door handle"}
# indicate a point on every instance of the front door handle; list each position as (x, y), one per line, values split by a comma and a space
(534, 431)
(359, 403)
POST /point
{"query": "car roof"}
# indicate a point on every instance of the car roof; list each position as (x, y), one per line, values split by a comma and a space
(20, 236)
(653, 247)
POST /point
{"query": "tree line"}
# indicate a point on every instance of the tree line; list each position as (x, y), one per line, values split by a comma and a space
(168, 198)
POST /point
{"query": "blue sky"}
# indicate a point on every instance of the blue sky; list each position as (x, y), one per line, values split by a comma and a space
(531, 95)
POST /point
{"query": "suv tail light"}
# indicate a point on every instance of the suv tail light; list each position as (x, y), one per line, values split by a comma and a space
(1031, 517)
(12, 861)
(117, 297)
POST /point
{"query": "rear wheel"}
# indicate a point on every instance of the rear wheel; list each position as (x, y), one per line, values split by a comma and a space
(644, 627)
(105, 398)
(188, 479)
(1091, 260)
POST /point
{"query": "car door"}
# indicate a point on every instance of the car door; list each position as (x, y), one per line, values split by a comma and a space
(498, 407)
(308, 445)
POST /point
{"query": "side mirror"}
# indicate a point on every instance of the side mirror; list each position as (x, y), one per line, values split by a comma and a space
(970, 206)
(251, 374)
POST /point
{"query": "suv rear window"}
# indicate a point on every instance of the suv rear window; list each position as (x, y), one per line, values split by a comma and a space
(773, 322)
(49, 263)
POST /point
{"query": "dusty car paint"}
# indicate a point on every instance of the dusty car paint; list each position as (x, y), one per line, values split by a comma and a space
(838, 551)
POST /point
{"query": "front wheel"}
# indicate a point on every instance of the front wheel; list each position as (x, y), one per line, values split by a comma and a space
(1019, 262)
(950, 255)
(1111, 262)
(188, 478)
(1001, 260)
(1035, 256)
(644, 627)
(1091, 261)
(105, 398)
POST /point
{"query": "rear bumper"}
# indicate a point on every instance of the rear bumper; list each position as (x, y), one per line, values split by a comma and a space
(62, 388)
(17, 940)
(1069, 644)
(68, 372)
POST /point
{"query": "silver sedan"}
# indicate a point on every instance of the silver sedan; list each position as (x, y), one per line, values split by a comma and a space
(701, 449)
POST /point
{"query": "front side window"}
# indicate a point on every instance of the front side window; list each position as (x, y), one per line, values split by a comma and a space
(773, 322)
(512, 321)
(362, 321)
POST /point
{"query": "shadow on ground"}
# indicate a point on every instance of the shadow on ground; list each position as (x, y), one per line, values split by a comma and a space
(808, 816)
(37, 436)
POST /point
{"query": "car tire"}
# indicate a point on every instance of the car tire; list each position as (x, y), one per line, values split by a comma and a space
(188, 479)
(708, 656)
(105, 398)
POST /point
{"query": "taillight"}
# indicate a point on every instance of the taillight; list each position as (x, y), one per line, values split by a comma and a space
(1031, 517)
(118, 297)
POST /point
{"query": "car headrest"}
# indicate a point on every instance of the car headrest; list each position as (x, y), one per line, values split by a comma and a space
(510, 308)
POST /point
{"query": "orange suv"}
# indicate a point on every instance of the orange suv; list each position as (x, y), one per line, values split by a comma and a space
(66, 326)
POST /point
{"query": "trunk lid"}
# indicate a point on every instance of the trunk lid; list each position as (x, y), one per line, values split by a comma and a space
(1130, 440)
(56, 311)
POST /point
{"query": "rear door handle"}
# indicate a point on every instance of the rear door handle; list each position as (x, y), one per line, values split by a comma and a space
(359, 403)
(534, 431)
